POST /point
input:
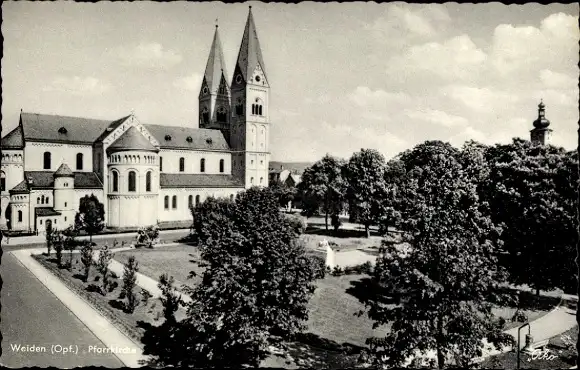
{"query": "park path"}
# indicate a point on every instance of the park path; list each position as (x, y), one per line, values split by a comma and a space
(105, 331)
(143, 281)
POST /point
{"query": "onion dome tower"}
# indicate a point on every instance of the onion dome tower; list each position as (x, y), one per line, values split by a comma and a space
(541, 134)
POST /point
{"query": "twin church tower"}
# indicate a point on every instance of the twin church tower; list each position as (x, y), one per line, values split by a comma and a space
(239, 109)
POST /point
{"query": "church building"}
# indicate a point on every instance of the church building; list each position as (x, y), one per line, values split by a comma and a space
(144, 174)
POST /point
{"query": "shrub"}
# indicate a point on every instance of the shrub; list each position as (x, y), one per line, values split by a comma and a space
(87, 259)
(129, 282)
(145, 296)
(519, 316)
(148, 236)
(105, 257)
(297, 223)
(319, 266)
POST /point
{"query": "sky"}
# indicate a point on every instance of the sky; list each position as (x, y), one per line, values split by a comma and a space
(343, 76)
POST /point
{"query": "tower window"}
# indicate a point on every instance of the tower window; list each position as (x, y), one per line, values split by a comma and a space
(166, 202)
(202, 165)
(205, 115)
(221, 165)
(181, 164)
(174, 202)
(190, 201)
(42, 199)
(132, 181)
(261, 180)
(221, 114)
(80, 161)
(239, 107)
(148, 181)
(19, 216)
(196, 200)
(47, 200)
(252, 180)
(47, 164)
(2, 181)
(115, 181)
(160, 164)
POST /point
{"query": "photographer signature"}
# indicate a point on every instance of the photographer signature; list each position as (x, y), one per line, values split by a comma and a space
(539, 354)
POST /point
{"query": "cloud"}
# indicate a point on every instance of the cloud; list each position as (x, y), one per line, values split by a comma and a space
(149, 55)
(78, 85)
(190, 83)
(523, 49)
(363, 96)
(556, 80)
(450, 60)
(438, 117)
(402, 23)
(482, 99)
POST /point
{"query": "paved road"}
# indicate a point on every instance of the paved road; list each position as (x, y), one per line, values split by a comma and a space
(32, 315)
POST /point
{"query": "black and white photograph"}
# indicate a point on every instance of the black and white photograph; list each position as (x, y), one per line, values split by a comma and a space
(303, 185)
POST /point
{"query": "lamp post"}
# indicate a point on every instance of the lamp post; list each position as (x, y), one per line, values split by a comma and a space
(528, 338)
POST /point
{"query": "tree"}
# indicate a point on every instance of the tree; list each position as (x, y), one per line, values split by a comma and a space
(256, 283)
(167, 343)
(148, 236)
(70, 243)
(87, 258)
(324, 186)
(532, 193)
(91, 215)
(283, 192)
(57, 241)
(443, 281)
(48, 233)
(366, 187)
(105, 257)
(129, 281)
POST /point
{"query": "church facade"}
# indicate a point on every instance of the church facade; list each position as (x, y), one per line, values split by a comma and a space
(143, 174)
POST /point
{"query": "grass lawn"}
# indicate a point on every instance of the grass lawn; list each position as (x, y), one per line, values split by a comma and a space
(173, 260)
(108, 305)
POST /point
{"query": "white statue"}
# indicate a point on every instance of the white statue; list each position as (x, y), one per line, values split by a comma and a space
(330, 260)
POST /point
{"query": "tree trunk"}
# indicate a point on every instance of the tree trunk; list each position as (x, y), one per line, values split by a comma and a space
(537, 292)
(91, 238)
(326, 219)
(368, 230)
(440, 356)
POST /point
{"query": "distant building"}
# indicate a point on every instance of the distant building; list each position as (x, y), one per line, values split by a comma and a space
(289, 173)
(541, 134)
(143, 174)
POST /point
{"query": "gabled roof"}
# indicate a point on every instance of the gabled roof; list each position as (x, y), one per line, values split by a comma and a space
(216, 66)
(170, 180)
(63, 171)
(174, 137)
(13, 140)
(45, 180)
(20, 188)
(250, 54)
(45, 211)
(110, 128)
(52, 128)
(132, 139)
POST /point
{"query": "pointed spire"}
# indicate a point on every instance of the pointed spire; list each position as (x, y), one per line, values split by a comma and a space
(215, 64)
(250, 54)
